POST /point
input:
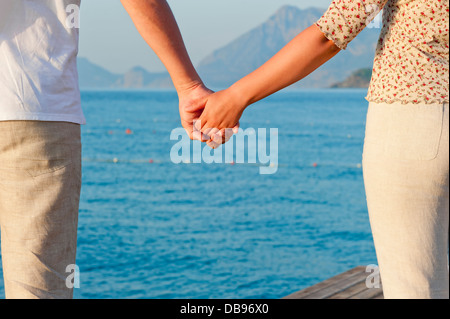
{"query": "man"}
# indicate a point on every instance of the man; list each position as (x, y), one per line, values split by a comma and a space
(40, 118)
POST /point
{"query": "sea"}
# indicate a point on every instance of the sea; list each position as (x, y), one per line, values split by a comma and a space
(152, 227)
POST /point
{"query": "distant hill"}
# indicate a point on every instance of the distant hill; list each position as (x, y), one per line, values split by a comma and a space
(358, 79)
(94, 76)
(138, 77)
(226, 65)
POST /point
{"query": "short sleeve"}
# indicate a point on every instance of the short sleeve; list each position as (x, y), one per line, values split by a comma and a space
(345, 19)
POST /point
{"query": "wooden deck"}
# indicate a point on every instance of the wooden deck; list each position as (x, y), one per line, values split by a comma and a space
(348, 285)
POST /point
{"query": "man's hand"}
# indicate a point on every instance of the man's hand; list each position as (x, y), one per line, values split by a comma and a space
(220, 117)
(192, 102)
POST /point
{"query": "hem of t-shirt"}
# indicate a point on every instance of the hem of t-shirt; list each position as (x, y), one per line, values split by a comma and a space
(404, 102)
(77, 119)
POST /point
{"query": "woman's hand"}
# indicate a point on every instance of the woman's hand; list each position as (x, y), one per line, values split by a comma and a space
(220, 117)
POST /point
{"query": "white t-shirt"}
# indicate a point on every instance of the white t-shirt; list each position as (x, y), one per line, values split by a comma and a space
(38, 66)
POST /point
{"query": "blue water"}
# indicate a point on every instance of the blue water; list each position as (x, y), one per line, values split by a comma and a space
(164, 230)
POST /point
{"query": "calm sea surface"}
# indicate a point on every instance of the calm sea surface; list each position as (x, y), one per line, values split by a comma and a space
(150, 228)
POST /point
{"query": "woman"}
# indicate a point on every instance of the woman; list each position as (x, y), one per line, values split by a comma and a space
(406, 151)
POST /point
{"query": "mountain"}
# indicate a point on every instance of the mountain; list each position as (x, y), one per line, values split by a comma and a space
(93, 76)
(251, 50)
(358, 79)
(238, 58)
(243, 55)
(138, 77)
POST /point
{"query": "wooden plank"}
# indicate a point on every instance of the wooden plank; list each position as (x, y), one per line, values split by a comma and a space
(380, 296)
(348, 285)
(351, 291)
(338, 287)
(302, 294)
(370, 293)
(321, 285)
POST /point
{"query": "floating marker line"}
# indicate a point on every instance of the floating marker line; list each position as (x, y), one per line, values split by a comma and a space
(316, 165)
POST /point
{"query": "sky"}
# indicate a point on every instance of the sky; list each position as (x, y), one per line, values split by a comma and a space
(109, 38)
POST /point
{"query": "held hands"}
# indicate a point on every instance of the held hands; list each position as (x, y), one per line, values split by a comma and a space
(219, 119)
(192, 101)
(209, 117)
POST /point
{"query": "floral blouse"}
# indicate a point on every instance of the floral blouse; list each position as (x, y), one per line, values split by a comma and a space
(412, 57)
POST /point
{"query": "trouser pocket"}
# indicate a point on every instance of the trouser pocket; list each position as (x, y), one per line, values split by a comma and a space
(404, 131)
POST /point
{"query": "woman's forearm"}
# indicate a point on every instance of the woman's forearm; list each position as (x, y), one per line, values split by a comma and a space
(304, 54)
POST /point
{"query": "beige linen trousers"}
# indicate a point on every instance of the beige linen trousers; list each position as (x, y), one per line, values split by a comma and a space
(406, 176)
(40, 181)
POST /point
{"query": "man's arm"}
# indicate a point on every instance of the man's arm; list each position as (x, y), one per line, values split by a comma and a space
(155, 22)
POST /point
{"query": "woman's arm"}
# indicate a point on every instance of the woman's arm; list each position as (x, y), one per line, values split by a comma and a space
(304, 54)
(339, 25)
(300, 57)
